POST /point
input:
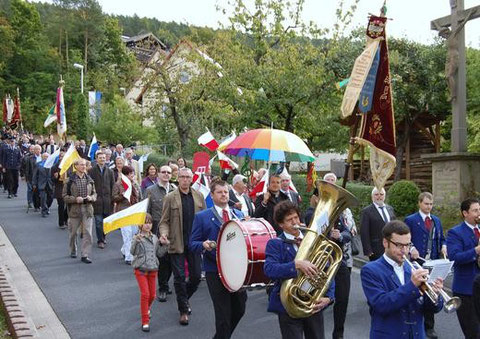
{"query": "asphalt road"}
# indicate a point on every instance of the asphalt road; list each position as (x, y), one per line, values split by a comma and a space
(101, 300)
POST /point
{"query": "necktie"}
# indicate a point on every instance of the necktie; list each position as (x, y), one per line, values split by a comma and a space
(428, 223)
(298, 241)
(225, 216)
(477, 233)
(384, 216)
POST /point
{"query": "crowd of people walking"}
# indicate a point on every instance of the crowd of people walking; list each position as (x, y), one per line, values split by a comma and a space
(178, 238)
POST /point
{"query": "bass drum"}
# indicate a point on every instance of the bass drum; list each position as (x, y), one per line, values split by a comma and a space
(241, 253)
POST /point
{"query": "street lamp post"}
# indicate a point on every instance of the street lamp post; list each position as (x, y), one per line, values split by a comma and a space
(80, 67)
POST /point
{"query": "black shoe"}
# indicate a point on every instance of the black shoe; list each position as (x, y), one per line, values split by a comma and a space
(73, 255)
(128, 262)
(183, 319)
(146, 328)
(169, 291)
(48, 212)
(9, 196)
(431, 333)
(15, 195)
(86, 260)
(162, 297)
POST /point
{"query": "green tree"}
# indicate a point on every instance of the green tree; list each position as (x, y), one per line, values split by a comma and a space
(119, 124)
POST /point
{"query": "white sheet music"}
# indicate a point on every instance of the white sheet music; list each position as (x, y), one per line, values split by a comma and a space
(441, 269)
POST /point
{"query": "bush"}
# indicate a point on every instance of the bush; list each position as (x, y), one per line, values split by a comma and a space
(403, 197)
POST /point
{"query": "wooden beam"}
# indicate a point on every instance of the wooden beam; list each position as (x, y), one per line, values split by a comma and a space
(446, 20)
(407, 160)
(437, 137)
(425, 132)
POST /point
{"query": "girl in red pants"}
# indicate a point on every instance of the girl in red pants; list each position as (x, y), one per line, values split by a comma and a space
(145, 248)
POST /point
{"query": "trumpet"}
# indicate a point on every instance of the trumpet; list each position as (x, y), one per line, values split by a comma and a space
(450, 304)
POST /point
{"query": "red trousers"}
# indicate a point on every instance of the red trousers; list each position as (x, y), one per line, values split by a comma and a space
(146, 283)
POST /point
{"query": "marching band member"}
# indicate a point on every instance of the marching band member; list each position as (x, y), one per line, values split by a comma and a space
(229, 306)
(464, 248)
(393, 289)
(280, 264)
(428, 242)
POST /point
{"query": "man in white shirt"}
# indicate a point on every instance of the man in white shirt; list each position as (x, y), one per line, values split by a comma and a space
(238, 198)
(393, 289)
(373, 218)
(286, 189)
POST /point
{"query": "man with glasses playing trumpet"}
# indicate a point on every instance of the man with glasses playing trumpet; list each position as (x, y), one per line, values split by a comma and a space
(395, 291)
(428, 243)
(464, 248)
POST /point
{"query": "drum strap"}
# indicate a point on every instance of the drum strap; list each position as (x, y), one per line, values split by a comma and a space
(219, 217)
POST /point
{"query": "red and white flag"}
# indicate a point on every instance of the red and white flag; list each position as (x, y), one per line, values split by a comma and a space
(226, 162)
(261, 187)
(127, 185)
(207, 140)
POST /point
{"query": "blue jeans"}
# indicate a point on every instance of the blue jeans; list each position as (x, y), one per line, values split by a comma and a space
(99, 227)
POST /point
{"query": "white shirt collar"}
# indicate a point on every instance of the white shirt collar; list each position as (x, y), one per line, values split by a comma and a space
(423, 215)
(220, 211)
(378, 206)
(396, 268)
(471, 226)
(292, 237)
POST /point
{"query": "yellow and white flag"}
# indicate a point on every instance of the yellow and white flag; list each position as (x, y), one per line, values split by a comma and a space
(68, 159)
(134, 215)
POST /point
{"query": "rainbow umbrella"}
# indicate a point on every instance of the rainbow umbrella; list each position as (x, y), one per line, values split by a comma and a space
(269, 145)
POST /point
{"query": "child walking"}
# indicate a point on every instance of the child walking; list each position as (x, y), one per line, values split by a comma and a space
(145, 248)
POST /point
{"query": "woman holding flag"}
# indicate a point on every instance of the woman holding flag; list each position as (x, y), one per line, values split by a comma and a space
(126, 193)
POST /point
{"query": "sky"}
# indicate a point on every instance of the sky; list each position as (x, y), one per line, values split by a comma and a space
(410, 18)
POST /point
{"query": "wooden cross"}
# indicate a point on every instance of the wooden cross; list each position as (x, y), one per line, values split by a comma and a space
(455, 66)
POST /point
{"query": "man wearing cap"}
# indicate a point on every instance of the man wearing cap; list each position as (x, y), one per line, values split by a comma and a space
(11, 161)
(238, 198)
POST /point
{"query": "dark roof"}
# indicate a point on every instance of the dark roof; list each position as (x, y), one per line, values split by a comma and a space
(144, 46)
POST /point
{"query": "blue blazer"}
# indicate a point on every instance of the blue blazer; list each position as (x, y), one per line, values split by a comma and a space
(420, 235)
(396, 310)
(206, 226)
(279, 266)
(461, 249)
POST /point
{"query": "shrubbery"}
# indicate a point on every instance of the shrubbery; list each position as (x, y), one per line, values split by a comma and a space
(403, 197)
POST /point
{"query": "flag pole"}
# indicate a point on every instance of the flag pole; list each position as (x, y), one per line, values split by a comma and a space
(354, 128)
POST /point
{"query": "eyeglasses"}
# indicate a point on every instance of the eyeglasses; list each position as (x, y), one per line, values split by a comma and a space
(166, 172)
(400, 246)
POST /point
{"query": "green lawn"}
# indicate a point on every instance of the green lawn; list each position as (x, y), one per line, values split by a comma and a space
(3, 327)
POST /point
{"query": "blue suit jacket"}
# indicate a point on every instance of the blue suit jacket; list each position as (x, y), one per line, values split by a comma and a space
(206, 226)
(420, 235)
(461, 249)
(279, 266)
(396, 309)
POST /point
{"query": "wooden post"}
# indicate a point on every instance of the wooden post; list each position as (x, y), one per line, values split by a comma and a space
(407, 159)
(437, 137)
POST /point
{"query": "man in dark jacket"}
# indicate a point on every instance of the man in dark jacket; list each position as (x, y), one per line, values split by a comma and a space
(372, 220)
(104, 180)
(156, 193)
(11, 161)
(30, 162)
(42, 181)
(266, 202)
(58, 188)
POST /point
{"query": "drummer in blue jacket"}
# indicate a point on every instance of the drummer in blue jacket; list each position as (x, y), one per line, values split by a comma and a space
(280, 264)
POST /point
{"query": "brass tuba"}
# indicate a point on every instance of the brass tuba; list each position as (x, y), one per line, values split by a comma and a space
(300, 294)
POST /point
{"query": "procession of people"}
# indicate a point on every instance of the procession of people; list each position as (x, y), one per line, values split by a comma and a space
(180, 238)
